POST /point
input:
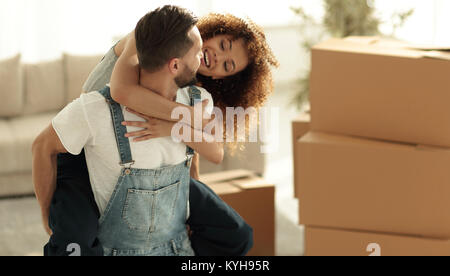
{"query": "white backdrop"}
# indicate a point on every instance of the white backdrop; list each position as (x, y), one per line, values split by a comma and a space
(42, 29)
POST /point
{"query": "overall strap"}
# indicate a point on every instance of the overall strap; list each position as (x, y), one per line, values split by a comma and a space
(195, 96)
(120, 130)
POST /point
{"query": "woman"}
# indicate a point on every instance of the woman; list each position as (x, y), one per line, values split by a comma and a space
(235, 70)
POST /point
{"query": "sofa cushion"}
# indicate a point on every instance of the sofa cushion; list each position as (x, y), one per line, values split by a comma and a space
(16, 184)
(77, 70)
(11, 90)
(18, 135)
(7, 148)
(44, 87)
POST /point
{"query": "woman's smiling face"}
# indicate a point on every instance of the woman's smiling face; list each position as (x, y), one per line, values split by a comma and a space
(223, 57)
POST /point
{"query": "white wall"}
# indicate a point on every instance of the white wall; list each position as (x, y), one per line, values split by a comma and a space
(42, 29)
(429, 23)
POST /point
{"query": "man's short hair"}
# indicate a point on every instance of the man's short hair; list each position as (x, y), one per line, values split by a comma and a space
(162, 35)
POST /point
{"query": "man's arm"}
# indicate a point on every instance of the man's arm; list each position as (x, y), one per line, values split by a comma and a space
(45, 149)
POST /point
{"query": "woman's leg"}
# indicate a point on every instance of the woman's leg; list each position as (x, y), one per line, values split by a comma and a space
(217, 229)
(73, 212)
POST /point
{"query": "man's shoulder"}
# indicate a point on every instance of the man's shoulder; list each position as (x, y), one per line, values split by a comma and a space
(92, 98)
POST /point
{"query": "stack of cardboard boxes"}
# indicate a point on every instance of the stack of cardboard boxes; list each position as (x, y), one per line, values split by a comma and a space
(373, 174)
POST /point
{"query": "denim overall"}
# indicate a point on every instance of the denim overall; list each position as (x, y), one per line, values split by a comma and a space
(148, 210)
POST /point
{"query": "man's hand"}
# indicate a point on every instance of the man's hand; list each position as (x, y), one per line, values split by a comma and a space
(45, 220)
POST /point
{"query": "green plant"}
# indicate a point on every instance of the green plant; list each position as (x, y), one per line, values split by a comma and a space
(342, 18)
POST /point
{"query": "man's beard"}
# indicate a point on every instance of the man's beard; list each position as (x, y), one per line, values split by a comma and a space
(187, 78)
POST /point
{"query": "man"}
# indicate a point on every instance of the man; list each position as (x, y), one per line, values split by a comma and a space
(125, 228)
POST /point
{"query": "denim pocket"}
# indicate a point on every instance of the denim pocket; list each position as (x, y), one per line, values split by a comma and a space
(144, 210)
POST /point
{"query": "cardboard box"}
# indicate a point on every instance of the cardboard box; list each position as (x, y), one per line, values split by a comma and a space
(333, 242)
(381, 89)
(254, 199)
(369, 185)
(300, 126)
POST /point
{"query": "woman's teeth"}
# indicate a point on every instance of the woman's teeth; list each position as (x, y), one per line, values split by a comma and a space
(207, 59)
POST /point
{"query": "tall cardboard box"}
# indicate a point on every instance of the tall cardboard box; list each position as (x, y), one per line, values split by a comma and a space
(369, 185)
(375, 88)
(334, 242)
(254, 199)
(300, 126)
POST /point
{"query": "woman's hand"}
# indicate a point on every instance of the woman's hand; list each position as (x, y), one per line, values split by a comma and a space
(151, 128)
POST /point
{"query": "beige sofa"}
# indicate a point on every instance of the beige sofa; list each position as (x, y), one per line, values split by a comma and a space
(32, 94)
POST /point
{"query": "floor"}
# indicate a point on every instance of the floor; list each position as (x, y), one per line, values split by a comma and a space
(21, 232)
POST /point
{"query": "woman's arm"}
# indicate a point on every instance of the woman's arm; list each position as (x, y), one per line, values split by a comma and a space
(154, 128)
(125, 88)
(212, 151)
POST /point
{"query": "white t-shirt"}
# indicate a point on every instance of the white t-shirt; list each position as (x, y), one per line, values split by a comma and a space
(86, 123)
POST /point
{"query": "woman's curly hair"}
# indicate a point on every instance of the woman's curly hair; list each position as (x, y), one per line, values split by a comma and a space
(250, 87)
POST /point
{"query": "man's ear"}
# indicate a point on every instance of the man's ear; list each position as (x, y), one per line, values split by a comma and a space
(174, 66)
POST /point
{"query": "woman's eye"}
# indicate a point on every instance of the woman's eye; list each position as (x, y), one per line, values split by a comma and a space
(222, 45)
(228, 66)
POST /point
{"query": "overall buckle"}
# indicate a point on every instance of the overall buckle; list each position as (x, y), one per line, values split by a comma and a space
(189, 161)
(127, 167)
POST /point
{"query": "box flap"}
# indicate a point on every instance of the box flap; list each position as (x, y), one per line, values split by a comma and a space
(224, 188)
(303, 117)
(300, 126)
(342, 45)
(390, 42)
(438, 55)
(225, 176)
(316, 137)
(429, 47)
(383, 46)
(378, 41)
(363, 39)
(251, 183)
